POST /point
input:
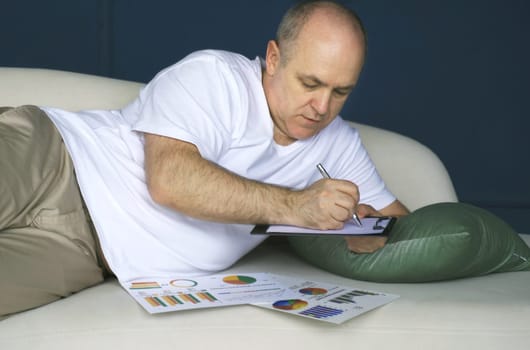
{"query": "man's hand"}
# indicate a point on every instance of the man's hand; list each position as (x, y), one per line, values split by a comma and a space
(325, 205)
(366, 244)
(369, 244)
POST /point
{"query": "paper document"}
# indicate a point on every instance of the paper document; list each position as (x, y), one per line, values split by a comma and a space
(310, 299)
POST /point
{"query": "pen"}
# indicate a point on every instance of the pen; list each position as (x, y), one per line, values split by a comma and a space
(325, 175)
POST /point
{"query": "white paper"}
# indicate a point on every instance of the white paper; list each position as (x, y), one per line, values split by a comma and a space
(326, 302)
(174, 294)
(315, 300)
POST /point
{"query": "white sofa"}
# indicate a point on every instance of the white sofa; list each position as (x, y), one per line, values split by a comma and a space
(489, 312)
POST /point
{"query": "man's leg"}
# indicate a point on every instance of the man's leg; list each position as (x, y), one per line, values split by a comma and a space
(47, 250)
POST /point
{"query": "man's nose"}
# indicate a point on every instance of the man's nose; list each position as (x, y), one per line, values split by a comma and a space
(321, 102)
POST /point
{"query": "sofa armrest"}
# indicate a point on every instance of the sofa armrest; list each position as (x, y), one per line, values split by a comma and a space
(67, 90)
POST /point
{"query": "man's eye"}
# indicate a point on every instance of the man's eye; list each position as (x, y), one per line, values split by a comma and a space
(309, 85)
(340, 93)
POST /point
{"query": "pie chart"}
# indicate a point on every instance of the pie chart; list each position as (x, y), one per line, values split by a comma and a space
(183, 283)
(238, 279)
(290, 304)
(313, 291)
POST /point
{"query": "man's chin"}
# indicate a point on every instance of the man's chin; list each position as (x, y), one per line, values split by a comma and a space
(304, 133)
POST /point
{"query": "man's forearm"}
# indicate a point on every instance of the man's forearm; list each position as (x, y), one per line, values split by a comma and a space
(179, 178)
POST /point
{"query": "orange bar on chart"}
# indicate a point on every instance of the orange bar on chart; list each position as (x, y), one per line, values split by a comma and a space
(171, 300)
(152, 301)
(206, 296)
(188, 298)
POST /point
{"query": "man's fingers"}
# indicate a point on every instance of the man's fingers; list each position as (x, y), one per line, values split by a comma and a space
(365, 244)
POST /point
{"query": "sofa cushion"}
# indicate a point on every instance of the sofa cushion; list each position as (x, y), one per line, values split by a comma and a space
(437, 242)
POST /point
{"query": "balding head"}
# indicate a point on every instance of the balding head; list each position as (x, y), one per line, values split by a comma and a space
(315, 17)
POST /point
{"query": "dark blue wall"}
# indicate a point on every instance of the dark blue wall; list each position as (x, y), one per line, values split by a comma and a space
(451, 74)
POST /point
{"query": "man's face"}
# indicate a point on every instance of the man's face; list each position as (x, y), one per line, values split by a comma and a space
(307, 92)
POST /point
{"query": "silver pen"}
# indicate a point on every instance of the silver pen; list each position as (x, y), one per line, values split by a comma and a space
(325, 175)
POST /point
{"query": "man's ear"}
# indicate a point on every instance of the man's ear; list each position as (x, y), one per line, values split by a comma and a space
(272, 57)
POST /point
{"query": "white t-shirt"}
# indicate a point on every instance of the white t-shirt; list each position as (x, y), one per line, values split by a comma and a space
(215, 100)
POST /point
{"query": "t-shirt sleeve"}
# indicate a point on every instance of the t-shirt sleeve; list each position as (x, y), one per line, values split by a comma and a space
(356, 165)
(190, 101)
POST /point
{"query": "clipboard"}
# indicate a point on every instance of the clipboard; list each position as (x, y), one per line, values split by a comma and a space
(371, 226)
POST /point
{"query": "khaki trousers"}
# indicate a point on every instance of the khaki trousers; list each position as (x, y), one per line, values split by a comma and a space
(47, 247)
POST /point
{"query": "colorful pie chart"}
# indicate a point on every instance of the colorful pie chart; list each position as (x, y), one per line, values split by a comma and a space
(238, 279)
(290, 304)
(313, 291)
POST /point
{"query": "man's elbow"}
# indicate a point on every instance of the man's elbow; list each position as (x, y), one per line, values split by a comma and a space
(159, 191)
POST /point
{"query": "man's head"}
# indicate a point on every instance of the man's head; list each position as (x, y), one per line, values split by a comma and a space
(312, 67)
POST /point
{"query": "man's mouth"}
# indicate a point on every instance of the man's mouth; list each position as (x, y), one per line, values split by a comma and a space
(311, 120)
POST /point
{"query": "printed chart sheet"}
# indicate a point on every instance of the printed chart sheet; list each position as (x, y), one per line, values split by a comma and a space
(310, 299)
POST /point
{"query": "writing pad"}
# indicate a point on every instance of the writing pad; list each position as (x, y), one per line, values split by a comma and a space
(370, 226)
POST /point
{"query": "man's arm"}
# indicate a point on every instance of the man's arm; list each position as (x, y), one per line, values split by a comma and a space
(179, 178)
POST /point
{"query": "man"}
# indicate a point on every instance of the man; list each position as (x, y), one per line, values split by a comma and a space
(175, 181)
